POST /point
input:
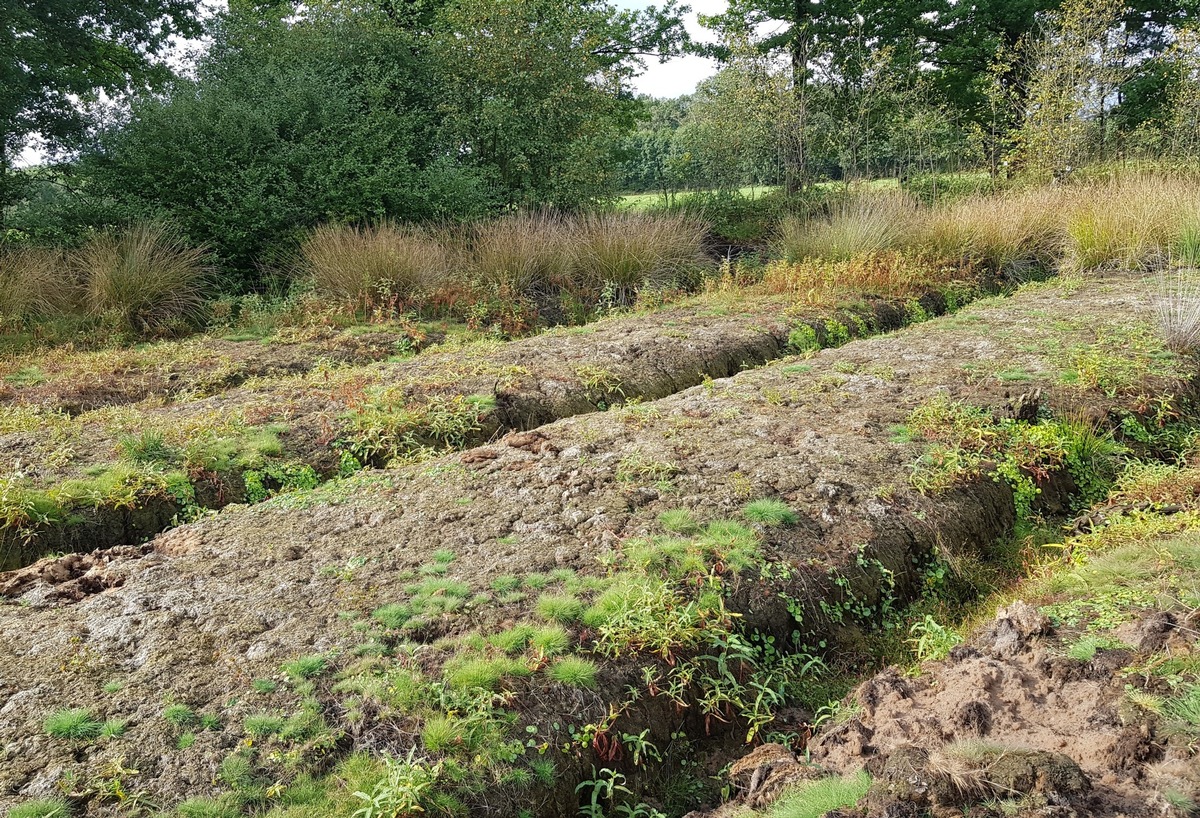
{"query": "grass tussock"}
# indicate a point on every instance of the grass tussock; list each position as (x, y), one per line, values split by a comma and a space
(35, 282)
(146, 278)
(618, 254)
(386, 264)
(1133, 222)
(861, 226)
(1013, 232)
(522, 254)
(1177, 308)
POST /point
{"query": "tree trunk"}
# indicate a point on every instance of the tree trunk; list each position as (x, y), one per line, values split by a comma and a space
(796, 167)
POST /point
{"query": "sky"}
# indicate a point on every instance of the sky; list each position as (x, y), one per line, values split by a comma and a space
(682, 74)
(670, 79)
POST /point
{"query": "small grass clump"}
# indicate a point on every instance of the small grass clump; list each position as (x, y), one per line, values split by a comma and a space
(815, 799)
(770, 512)
(263, 724)
(550, 641)
(179, 715)
(75, 724)
(573, 671)
(145, 278)
(41, 808)
(208, 808)
(479, 673)
(559, 608)
(306, 667)
(512, 640)
(264, 685)
(441, 734)
(678, 521)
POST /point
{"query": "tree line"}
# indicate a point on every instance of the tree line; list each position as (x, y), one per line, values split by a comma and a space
(352, 111)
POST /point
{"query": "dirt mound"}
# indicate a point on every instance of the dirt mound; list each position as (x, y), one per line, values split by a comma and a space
(1010, 717)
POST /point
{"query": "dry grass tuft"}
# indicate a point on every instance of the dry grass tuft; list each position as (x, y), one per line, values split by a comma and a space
(1012, 233)
(1132, 222)
(965, 766)
(862, 225)
(35, 282)
(622, 252)
(386, 265)
(146, 277)
(522, 254)
(1177, 307)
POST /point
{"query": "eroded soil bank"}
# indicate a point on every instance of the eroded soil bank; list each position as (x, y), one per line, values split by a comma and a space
(120, 474)
(1081, 701)
(208, 614)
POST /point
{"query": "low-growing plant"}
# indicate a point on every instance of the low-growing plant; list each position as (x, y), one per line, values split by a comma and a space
(307, 667)
(559, 608)
(75, 724)
(179, 715)
(816, 798)
(770, 512)
(678, 521)
(573, 671)
(263, 724)
(931, 640)
(41, 808)
(208, 808)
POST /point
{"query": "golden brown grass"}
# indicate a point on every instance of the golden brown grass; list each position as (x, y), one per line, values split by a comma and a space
(624, 252)
(145, 277)
(892, 273)
(862, 225)
(382, 265)
(35, 282)
(1132, 222)
(523, 254)
(1011, 232)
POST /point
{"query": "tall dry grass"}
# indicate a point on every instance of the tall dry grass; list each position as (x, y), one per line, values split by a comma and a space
(387, 263)
(620, 253)
(1010, 232)
(35, 282)
(146, 277)
(862, 225)
(522, 254)
(1131, 222)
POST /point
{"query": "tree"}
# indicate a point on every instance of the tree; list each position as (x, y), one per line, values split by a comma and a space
(67, 52)
(288, 123)
(536, 91)
(832, 40)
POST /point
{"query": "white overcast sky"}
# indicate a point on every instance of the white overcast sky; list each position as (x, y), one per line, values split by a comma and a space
(681, 75)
